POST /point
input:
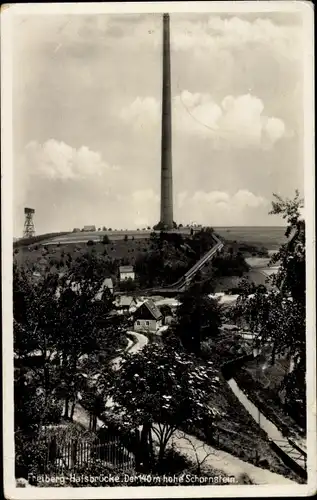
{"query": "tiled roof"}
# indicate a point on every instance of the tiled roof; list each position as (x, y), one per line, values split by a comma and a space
(154, 310)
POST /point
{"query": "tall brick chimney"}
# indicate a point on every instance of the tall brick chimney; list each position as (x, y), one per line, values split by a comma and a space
(166, 220)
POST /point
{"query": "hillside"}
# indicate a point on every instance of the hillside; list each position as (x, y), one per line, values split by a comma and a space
(159, 258)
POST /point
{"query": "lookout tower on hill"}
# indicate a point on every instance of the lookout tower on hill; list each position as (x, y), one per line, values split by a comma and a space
(29, 229)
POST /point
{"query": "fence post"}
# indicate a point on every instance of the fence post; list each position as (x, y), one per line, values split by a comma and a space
(52, 450)
(74, 452)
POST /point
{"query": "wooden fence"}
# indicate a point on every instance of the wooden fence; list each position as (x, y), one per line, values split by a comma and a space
(75, 453)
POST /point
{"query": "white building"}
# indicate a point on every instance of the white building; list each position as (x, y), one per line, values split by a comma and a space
(89, 228)
(148, 317)
(126, 272)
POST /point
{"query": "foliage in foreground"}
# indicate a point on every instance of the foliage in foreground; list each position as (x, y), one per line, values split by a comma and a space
(278, 317)
(159, 390)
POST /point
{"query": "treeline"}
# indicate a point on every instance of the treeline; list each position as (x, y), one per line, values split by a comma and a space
(36, 239)
(254, 250)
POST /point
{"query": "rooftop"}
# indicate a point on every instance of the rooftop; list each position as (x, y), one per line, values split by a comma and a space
(154, 310)
(124, 300)
(126, 269)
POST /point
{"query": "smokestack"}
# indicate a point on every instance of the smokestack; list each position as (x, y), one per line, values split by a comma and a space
(166, 221)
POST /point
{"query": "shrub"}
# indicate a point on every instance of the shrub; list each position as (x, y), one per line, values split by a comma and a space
(90, 243)
(105, 240)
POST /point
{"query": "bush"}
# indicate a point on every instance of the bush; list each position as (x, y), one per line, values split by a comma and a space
(29, 455)
(105, 240)
(90, 243)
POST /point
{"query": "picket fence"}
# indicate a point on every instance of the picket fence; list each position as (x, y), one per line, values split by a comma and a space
(77, 453)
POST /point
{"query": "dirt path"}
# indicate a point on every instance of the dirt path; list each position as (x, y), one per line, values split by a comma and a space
(197, 452)
(271, 430)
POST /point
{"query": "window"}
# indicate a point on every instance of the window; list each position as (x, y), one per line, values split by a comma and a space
(138, 322)
(147, 323)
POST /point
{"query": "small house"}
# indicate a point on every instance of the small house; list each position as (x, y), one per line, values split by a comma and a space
(126, 272)
(89, 228)
(124, 303)
(147, 317)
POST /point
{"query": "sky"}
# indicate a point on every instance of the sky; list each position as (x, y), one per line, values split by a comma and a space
(87, 104)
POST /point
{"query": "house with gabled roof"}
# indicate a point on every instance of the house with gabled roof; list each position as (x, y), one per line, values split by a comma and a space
(147, 317)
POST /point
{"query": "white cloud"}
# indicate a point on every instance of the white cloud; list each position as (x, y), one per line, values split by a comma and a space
(221, 208)
(236, 121)
(57, 160)
(142, 113)
(218, 34)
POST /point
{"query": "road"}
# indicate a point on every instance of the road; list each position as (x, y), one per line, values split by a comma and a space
(133, 348)
(81, 416)
(199, 452)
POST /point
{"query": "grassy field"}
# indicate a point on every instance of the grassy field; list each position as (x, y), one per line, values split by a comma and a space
(271, 237)
(38, 257)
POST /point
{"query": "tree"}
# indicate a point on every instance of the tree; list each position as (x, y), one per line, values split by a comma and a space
(125, 237)
(161, 390)
(60, 319)
(90, 243)
(128, 285)
(91, 267)
(166, 310)
(278, 317)
(33, 316)
(80, 320)
(105, 239)
(198, 318)
(290, 278)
